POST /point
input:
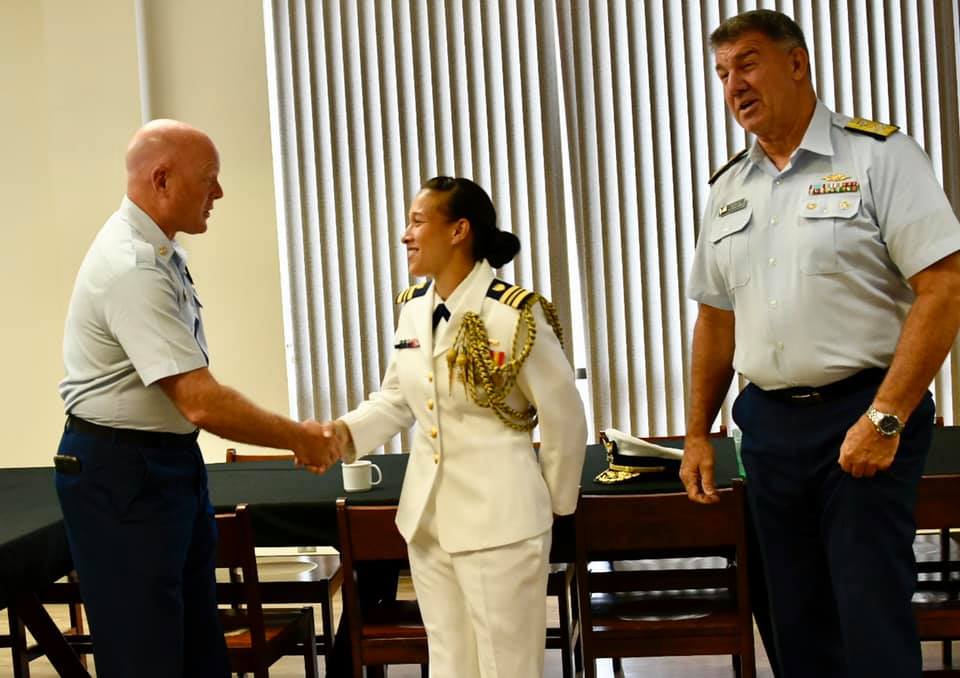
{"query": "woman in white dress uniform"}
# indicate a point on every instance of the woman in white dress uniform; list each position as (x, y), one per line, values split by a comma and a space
(477, 364)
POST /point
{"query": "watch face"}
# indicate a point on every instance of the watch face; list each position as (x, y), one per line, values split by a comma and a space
(889, 425)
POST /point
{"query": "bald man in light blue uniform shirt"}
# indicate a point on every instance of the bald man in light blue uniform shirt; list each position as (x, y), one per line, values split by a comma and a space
(827, 274)
(130, 476)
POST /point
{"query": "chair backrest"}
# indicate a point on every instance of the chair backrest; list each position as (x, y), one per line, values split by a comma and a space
(611, 524)
(937, 502)
(615, 527)
(369, 533)
(663, 526)
(235, 551)
(239, 457)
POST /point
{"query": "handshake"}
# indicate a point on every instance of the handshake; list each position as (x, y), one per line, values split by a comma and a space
(319, 445)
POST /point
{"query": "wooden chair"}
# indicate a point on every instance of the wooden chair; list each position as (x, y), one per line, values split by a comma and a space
(390, 632)
(317, 584)
(663, 612)
(937, 602)
(256, 636)
(668, 441)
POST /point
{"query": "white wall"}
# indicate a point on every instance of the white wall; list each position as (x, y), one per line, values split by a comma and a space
(69, 75)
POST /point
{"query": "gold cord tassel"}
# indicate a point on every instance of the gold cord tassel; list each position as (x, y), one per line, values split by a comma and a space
(488, 384)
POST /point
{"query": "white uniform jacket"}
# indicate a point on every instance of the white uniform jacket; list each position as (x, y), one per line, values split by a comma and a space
(490, 487)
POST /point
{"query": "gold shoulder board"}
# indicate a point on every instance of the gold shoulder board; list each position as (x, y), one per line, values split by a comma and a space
(730, 163)
(413, 292)
(511, 295)
(877, 130)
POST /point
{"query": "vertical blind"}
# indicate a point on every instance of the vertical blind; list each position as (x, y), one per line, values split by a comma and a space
(593, 124)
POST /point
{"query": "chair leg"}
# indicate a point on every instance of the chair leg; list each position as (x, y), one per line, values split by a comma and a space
(310, 649)
(76, 616)
(575, 621)
(589, 667)
(376, 672)
(326, 626)
(617, 666)
(18, 645)
(563, 609)
(424, 671)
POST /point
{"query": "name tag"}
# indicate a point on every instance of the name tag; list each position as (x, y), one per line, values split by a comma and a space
(732, 207)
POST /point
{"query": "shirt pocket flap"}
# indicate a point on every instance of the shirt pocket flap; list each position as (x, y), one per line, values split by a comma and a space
(842, 206)
(730, 224)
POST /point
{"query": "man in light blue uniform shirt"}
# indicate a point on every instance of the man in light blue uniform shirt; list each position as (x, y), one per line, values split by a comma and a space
(827, 273)
(130, 476)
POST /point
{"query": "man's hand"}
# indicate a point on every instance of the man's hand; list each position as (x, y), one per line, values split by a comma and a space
(318, 447)
(865, 451)
(696, 471)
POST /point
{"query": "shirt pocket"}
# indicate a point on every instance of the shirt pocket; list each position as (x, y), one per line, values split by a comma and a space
(731, 245)
(823, 218)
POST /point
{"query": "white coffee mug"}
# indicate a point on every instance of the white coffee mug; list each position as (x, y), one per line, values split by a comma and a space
(358, 476)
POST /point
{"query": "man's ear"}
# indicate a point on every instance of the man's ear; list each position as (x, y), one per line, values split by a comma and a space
(158, 179)
(461, 229)
(800, 61)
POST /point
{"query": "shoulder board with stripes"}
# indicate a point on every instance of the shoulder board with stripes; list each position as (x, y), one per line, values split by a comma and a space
(511, 295)
(877, 130)
(413, 292)
(730, 163)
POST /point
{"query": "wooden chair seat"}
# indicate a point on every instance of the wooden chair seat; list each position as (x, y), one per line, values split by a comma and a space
(279, 624)
(393, 619)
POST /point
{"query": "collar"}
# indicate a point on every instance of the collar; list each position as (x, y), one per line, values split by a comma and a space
(467, 296)
(480, 276)
(147, 228)
(815, 140)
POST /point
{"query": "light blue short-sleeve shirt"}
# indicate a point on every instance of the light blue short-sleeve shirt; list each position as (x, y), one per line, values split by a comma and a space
(814, 259)
(134, 318)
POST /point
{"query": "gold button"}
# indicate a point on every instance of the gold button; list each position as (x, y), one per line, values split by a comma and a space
(844, 205)
(430, 377)
(162, 250)
(436, 459)
(434, 432)
(430, 404)
(811, 205)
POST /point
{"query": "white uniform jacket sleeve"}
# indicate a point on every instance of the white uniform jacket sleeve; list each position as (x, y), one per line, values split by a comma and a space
(547, 381)
(381, 416)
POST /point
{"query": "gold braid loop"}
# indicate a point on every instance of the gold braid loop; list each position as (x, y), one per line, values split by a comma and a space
(488, 384)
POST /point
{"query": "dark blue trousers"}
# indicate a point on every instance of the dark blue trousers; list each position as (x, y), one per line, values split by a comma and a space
(143, 540)
(837, 550)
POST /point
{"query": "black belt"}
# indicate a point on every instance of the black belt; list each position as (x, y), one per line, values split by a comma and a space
(814, 395)
(127, 436)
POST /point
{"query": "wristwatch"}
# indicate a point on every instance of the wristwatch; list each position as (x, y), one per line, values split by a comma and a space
(887, 425)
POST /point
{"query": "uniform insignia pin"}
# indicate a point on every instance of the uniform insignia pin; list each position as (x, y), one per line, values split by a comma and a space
(407, 343)
(162, 250)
